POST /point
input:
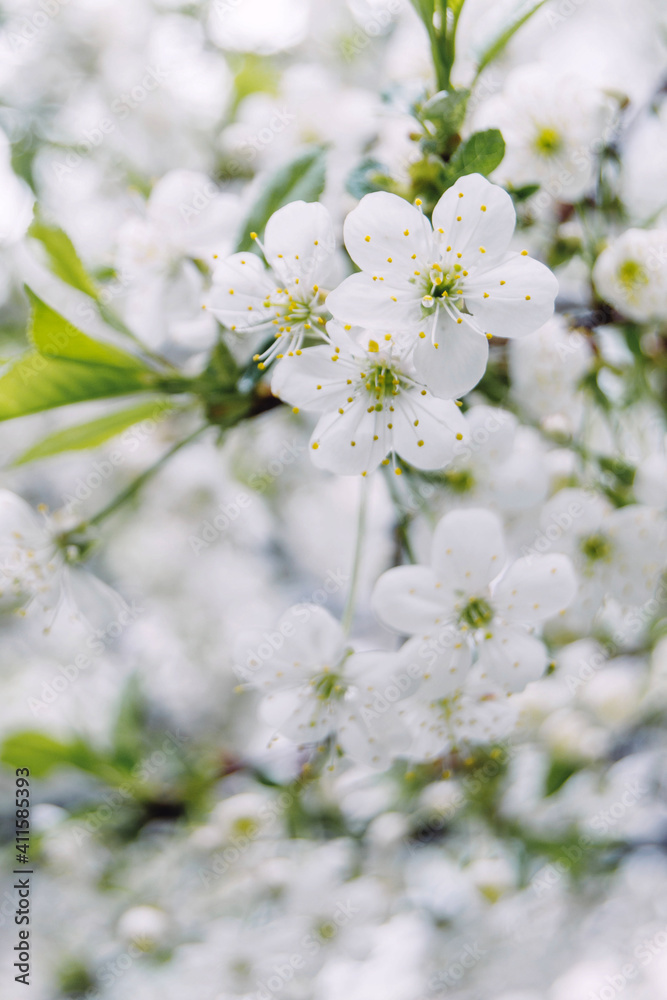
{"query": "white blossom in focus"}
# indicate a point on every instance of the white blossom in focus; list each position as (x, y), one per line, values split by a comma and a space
(372, 406)
(284, 301)
(448, 286)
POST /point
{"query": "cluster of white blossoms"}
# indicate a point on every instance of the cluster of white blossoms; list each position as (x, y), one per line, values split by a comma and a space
(334, 613)
(472, 619)
(418, 317)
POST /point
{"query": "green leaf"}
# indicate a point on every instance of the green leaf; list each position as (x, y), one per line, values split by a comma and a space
(93, 433)
(524, 192)
(56, 337)
(369, 175)
(128, 730)
(63, 257)
(41, 754)
(67, 367)
(563, 249)
(446, 110)
(35, 383)
(501, 41)
(559, 772)
(480, 154)
(301, 179)
(223, 368)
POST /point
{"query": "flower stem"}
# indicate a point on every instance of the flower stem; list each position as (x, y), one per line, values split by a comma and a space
(402, 520)
(348, 613)
(137, 484)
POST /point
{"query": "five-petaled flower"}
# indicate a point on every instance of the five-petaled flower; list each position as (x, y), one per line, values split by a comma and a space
(465, 589)
(447, 287)
(284, 300)
(371, 403)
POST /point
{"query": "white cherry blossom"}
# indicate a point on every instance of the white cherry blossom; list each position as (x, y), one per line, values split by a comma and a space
(552, 128)
(631, 274)
(40, 575)
(467, 591)
(501, 463)
(315, 686)
(371, 405)
(448, 286)
(618, 552)
(185, 218)
(284, 301)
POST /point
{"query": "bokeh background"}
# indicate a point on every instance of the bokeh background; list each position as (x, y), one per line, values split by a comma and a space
(176, 854)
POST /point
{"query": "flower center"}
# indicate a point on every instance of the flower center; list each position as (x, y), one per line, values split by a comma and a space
(441, 284)
(547, 142)
(596, 547)
(381, 381)
(295, 314)
(329, 686)
(459, 480)
(477, 613)
(631, 275)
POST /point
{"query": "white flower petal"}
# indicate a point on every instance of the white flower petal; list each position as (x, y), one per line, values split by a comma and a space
(446, 659)
(332, 447)
(520, 296)
(511, 658)
(311, 380)
(535, 588)
(431, 444)
(377, 305)
(299, 714)
(240, 286)
(306, 641)
(475, 213)
(457, 364)
(299, 239)
(397, 230)
(371, 731)
(407, 600)
(468, 551)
